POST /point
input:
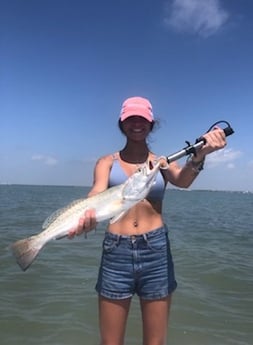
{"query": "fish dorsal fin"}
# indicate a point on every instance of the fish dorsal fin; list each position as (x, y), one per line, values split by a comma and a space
(58, 212)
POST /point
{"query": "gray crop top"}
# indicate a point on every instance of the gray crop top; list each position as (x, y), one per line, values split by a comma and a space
(118, 176)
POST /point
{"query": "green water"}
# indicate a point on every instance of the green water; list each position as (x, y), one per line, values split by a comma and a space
(55, 303)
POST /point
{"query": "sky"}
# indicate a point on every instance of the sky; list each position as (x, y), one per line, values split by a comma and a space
(66, 66)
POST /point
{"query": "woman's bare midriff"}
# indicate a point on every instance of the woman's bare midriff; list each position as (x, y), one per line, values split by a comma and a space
(142, 218)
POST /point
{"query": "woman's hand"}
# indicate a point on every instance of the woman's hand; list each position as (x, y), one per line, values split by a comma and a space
(86, 223)
(215, 140)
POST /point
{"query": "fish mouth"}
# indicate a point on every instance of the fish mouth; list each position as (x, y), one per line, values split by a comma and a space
(151, 168)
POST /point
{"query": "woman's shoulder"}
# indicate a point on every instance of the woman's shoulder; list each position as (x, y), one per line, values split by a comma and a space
(107, 160)
(153, 156)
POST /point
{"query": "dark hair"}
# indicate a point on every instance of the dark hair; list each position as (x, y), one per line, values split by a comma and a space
(153, 124)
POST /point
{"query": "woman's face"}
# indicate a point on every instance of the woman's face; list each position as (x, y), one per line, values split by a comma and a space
(136, 127)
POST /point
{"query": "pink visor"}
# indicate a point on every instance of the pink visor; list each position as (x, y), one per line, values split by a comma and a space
(136, 106)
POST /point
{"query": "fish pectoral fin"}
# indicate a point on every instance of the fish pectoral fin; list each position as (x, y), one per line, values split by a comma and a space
(131, 198)
(117, 217)
(60, 237)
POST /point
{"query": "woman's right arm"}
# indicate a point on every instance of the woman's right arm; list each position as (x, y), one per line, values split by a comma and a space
(100, 183)
(101, 175)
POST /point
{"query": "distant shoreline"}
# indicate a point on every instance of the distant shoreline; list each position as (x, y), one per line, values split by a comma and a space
(169, 188)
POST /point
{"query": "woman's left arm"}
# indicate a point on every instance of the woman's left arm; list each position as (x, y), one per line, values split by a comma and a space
(184, 176)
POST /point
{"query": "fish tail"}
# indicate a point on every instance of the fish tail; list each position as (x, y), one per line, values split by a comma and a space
(26, 251)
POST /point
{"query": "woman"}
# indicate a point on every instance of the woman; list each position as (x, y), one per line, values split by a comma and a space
(136, 254)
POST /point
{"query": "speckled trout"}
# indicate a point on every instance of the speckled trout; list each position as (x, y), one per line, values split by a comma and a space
(111, 204)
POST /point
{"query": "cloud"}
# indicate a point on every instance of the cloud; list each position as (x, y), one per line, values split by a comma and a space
(224, 156)
(47, 160)
(202, 17)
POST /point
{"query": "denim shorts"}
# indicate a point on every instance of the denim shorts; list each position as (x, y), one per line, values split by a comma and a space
(136, 264)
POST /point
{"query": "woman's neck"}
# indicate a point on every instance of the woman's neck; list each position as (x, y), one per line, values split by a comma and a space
(134, 154)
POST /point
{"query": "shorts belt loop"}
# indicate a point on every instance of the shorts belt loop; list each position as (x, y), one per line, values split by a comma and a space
(118, 239)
